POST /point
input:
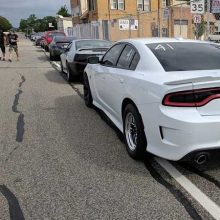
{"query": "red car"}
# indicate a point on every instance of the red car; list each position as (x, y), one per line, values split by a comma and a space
(48, 37)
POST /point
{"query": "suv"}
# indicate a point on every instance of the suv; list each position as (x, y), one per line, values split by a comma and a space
(48, 37)
(215, 37)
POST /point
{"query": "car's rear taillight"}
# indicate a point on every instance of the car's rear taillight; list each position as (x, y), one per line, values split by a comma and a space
(193, 98)
(49, 39)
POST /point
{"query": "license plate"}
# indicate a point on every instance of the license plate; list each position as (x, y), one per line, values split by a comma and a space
(65, 46)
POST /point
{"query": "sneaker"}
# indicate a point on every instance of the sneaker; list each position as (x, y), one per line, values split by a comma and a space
(10, 60)
(3, 59)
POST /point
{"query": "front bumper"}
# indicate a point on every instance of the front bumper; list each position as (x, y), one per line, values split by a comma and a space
(174, 132)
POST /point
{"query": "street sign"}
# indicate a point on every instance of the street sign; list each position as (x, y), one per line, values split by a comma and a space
(198, 7)
(215, 6)
(197, 19)
(124, 24)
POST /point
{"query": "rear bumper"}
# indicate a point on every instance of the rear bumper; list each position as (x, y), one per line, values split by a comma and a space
(78, 68)
(173, 133)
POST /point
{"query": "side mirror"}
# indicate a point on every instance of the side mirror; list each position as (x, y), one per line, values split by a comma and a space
(93, 60)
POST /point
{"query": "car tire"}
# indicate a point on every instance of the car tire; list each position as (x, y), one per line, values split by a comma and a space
(69, 73)
(136, 142)
(87, 92)
(61, 67)
(52, 58)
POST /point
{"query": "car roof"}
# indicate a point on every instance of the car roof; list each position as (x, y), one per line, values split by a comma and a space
(159, 40)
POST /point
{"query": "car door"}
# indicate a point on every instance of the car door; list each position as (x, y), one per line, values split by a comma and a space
(63, 56)
(107, 65)
(71, 55)
(119, 78)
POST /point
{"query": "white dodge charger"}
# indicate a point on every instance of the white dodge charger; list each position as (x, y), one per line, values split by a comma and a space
(163, 94)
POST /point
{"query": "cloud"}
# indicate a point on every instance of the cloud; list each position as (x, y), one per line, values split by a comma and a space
(15, 10)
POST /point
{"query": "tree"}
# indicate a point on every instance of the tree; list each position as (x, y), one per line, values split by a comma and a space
(5, 24)
(200, 29)
(32, 23)
(23, 25)
(64, 11)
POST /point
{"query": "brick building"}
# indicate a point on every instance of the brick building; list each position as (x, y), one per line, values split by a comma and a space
(118, 19)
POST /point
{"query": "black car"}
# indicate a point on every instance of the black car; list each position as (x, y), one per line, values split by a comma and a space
(58, 46)
(75, 57)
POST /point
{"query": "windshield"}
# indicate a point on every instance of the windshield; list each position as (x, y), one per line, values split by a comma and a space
(186, 56)
(93, 44)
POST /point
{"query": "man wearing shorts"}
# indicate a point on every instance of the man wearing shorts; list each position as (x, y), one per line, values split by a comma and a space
(13, 45)
(2, 44)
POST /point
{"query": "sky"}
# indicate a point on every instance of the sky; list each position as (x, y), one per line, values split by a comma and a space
(15, 10)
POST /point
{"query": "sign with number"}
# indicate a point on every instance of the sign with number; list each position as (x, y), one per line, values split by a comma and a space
(198, 7)
(215, 6)
(197, 19)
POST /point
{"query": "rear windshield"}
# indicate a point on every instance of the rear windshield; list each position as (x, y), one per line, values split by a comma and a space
(186, 56)
(56, 34)
(63, 39)
(93, 44)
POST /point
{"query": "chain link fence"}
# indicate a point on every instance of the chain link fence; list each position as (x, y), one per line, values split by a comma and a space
(172, 21)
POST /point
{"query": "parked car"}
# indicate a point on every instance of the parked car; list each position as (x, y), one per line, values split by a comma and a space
(38, 41)
(74, 59)
(163, 94)
(58, 46)
(215, 37)
(48, 37)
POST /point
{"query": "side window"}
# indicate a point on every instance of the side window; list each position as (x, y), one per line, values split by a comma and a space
(68, 47)
(111, 57)
(134, 62)
(126, 57)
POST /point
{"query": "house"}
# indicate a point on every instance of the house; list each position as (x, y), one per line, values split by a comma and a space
(63, 23)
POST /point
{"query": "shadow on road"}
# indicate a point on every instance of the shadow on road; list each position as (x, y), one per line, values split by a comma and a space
(91, 138)
(54, 77)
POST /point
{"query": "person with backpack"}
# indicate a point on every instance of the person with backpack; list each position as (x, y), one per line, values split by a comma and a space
(13, 45)
(2, 44)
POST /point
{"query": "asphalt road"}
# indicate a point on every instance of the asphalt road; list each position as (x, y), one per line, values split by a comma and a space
(61, 160)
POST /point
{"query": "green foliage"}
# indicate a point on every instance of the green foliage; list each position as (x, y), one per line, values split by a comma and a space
(37, 25)
(5, 24)
(64, 11)
(200, 29)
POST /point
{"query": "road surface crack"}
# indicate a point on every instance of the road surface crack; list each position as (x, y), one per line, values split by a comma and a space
(20, 121)
(14, 207)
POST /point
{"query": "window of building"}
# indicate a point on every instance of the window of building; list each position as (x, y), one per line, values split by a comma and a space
(118, 4)
(143, 5)
(121, 4)
(92, 5)
(114, 4)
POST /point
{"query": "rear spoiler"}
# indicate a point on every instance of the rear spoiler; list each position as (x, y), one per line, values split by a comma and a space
(193, 80)
(93, 48)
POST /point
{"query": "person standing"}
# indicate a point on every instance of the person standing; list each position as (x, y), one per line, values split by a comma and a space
(13, 45)
(2, 44)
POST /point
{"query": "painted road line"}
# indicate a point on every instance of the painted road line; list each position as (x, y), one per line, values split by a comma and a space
(195, 192)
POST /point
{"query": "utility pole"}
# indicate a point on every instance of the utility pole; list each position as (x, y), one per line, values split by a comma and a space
(208, 13)
(158, 18)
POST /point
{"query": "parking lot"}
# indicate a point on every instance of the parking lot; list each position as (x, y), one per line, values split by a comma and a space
(61, 160)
